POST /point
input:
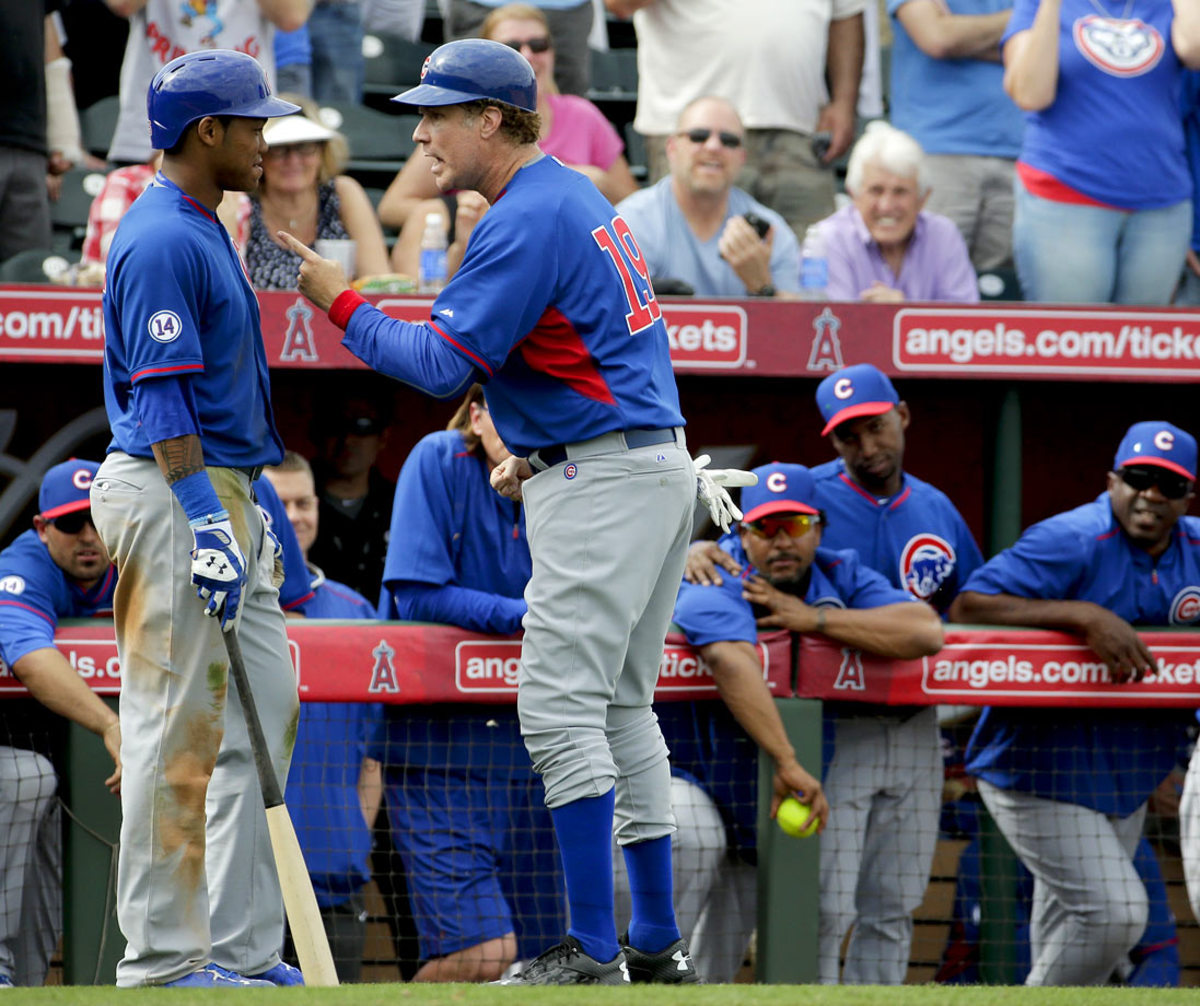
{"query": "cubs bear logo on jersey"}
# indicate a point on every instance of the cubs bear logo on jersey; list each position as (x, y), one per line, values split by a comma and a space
(1121, 48)
(1185, 607)
(926, 562)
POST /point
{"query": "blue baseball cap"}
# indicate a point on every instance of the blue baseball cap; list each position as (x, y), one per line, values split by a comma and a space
(861, 390)
(781, 488)
(1154, 442)
(65, 488)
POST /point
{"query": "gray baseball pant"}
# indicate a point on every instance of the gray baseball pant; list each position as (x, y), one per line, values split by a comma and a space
(608, 534)
(31, 870)
(884, 786)
(196, 876)
(1089, 904)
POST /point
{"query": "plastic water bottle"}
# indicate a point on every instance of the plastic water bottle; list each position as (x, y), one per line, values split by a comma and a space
(433, 255)
(814, 265)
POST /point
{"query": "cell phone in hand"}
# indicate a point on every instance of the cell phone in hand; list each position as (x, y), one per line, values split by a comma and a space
(820, 144)
(760, 225)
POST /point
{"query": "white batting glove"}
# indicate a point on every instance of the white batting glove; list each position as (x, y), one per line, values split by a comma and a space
(218, 569)
(711, 490)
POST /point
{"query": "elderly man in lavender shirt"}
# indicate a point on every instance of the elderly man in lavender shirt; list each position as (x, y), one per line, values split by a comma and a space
(883, 246)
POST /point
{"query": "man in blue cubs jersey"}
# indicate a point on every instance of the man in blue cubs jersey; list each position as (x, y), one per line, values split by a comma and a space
(333, 787)
(552, 308)
(58, 569)
(911, 534)
(788, 580)
(1068, 788)
(188, 398)
(466, 808)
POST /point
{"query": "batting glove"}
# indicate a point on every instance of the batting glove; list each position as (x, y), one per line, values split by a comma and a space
(218, 569)
(276, 546)
(710, 489)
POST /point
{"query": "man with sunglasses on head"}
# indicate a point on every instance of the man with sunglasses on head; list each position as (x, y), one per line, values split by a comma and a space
(58, 569)
(787, 581)
(1068, 788)
(696, 227)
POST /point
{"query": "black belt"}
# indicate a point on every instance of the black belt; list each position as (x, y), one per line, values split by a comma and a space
(251, 473)
(556, 454)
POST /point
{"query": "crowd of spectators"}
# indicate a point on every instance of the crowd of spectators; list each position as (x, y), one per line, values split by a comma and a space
(997, 101)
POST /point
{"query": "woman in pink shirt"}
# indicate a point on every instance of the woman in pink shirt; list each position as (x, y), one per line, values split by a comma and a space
(573, 130)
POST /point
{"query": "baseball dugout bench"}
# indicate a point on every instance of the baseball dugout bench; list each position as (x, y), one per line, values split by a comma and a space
(401, 663)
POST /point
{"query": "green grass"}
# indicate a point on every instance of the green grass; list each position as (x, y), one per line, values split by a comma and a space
(710, 995)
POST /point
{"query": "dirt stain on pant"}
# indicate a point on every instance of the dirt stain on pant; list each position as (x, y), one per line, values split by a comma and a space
(180, 804)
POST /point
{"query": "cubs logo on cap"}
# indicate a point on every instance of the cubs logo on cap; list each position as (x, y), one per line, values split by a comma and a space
(781, 488)
(861, 390)
(1155, 442)
(65, 488)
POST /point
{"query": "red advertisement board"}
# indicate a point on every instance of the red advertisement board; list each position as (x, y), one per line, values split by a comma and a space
(757, 337)
(400, 663)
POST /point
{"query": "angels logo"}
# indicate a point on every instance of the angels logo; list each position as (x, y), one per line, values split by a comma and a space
(826, 352)
(383, 672)
(925, 564)
(1118, 47)
(1185, 609)
(298, 341)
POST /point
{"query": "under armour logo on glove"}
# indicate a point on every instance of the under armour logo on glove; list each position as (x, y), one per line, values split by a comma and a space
(218, 569)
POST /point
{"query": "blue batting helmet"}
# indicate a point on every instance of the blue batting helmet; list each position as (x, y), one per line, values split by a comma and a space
(209, 82)
(474, 69)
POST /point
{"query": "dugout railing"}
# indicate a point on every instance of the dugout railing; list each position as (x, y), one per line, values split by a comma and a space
(403, 663)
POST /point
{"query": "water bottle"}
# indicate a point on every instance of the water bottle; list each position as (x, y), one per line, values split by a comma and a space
(814, 265)
(433, 255)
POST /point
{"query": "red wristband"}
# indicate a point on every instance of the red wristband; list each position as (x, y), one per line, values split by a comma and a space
(344, 305)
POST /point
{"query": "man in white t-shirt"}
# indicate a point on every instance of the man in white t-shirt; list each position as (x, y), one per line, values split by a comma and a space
(160, 30)
(791, 69)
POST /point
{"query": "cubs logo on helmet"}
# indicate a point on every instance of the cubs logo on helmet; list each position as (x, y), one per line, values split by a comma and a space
(1119, 48)
(1185, 608)
(926, 562)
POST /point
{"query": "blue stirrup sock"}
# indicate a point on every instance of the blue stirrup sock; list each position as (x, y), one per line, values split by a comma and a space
(653, 927)
(584, 829)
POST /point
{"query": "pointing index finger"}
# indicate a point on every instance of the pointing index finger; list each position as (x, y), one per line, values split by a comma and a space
(299, 247)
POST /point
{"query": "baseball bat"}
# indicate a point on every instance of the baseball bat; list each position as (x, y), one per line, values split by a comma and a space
(299, 901)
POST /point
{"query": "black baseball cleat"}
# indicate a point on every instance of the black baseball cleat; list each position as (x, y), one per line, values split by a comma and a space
(672, 966)
(567, 964)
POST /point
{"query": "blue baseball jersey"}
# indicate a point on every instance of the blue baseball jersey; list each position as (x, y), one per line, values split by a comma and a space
(35, 593)
(917, 539)
(296, 588)
(552, 307)
(450, 528)
(1108, 760)
(322, 788)
(707, 744)
(1114, 130)
(177, 302)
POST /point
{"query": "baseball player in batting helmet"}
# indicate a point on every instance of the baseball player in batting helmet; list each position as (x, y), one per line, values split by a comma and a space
(553, 310)
(187, 391)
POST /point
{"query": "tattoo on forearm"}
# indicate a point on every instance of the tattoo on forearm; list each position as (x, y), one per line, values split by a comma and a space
(179, 457)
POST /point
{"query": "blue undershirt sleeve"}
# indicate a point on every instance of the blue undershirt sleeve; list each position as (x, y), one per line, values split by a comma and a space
(413, 354)
(474, 610)
(166, 407)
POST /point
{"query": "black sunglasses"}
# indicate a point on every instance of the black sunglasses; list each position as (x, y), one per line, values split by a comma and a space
(72, 523)
(1172, 486)
(698, 136)
(541, 44)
